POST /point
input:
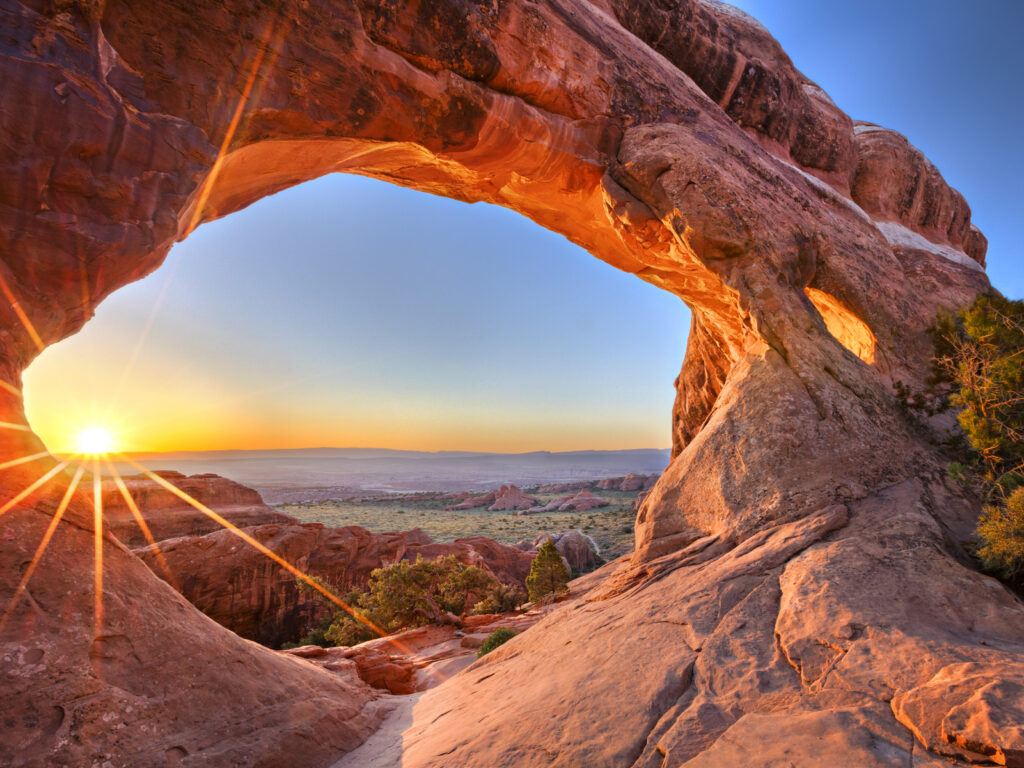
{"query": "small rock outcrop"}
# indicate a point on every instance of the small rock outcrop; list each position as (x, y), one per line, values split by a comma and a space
(509, 497)
(473, 502)
(582, 501)
(504, 499)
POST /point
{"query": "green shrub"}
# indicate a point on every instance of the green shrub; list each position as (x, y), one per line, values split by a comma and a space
(981, 350)
(548, 577)
(501, 599)
(407, 595)
(315, 636)
(496, 638)
(1001, 530)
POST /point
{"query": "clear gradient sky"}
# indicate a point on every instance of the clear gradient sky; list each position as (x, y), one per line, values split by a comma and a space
(349, 312)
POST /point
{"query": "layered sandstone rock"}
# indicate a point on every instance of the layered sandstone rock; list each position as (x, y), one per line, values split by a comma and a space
(241, 589)
(797, 579)
(509, 497)
(167, 516)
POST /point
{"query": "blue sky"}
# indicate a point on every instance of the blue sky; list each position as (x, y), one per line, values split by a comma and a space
(351, 312)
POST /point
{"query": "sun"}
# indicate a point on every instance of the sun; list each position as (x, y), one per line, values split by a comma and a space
(94, 440)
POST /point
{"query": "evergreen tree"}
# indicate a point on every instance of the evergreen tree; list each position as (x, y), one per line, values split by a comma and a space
(548, 575)
(1001, 530)
(982, 351)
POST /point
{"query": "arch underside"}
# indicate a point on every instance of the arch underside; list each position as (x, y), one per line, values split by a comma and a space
(676, 143)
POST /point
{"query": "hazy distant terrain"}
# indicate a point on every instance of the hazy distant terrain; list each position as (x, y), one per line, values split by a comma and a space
(610, 528)
(314, 474)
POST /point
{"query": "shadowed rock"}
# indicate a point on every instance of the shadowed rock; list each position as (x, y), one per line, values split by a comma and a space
(241, 589)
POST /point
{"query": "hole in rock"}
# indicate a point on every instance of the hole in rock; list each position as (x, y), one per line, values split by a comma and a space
(848, 329)
(355, 352)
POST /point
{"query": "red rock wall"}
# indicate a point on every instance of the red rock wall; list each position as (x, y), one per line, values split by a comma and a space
(242, 590)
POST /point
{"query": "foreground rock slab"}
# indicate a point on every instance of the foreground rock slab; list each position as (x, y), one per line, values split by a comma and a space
(759, 653)
(128, 692)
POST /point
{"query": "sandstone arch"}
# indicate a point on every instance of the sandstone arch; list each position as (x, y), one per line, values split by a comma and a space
(675, 141)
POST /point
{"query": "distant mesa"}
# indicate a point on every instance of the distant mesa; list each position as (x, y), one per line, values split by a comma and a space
(168, 516)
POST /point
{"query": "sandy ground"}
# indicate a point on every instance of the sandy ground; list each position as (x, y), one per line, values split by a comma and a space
(384, 748)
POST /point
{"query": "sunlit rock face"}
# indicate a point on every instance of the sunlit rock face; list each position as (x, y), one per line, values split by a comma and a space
(796, 566)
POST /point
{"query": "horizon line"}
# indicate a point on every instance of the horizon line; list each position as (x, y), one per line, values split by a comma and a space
(368, 448)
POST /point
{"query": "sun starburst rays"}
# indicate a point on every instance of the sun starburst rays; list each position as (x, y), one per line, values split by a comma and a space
(30, 329)
(97, 521)
(31, 488)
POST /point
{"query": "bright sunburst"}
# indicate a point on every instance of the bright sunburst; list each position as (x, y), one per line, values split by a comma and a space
(94, 440)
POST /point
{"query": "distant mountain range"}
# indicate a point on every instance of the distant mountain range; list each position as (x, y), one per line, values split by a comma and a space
(332, 472)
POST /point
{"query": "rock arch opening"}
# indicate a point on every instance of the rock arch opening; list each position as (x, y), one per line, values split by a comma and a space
(438, 361)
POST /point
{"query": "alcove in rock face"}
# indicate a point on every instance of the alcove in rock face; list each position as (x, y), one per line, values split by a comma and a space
(797, 573)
